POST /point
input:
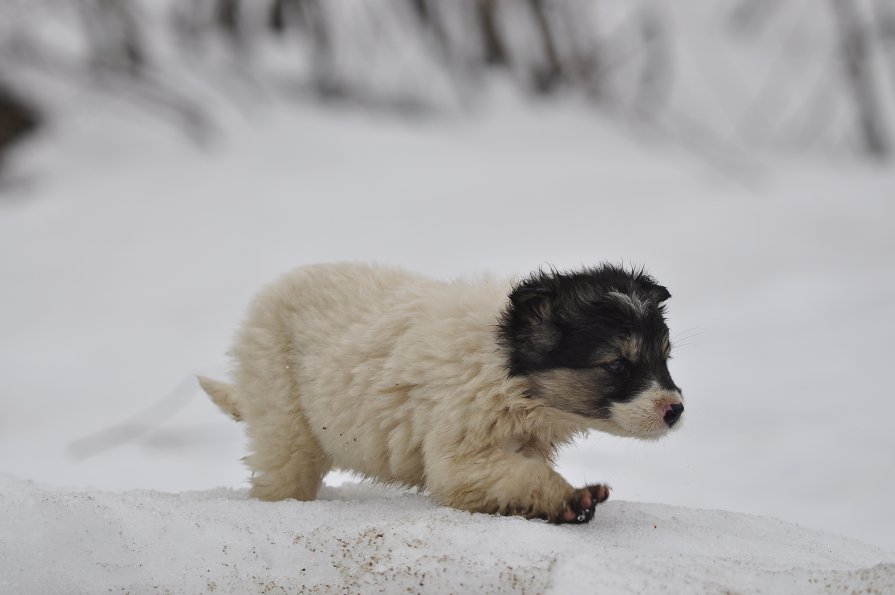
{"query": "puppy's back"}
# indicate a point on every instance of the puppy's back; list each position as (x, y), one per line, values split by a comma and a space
(366, 353)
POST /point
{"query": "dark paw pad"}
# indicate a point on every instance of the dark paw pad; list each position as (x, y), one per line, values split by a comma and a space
(579, 508)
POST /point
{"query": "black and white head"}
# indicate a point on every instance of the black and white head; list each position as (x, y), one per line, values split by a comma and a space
(595, 343)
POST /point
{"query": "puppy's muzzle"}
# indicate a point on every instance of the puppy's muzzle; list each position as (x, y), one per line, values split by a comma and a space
(673, 413)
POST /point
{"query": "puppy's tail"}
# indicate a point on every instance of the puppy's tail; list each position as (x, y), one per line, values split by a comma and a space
(222, 395)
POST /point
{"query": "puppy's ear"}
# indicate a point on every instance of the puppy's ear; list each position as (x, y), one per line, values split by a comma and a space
(533, 302)
(658, 294)
(648, 287)
(531, 330)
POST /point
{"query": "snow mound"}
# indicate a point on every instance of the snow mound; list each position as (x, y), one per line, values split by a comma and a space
(362, 538)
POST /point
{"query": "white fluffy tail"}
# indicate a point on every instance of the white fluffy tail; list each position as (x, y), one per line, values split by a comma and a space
(222, 395)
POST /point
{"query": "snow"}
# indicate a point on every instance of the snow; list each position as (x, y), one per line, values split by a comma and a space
(128, 256)
(370, 539)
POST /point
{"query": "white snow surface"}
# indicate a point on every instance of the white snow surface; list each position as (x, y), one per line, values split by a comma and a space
(127, 258)
(372, 539)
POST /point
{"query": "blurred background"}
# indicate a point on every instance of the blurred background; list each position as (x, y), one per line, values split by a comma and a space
(160, 160)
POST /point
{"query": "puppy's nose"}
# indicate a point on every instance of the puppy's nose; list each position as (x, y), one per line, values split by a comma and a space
(673, 413)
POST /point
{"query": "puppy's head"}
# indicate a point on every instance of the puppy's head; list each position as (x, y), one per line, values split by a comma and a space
(595, 343)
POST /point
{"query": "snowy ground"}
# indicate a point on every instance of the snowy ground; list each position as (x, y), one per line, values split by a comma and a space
(127, 258)
(377, 540)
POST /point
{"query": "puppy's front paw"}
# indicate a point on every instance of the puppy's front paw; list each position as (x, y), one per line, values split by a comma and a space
(580, 506)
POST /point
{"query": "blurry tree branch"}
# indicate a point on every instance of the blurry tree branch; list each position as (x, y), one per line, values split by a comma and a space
(656, 73)
(146, 90)
(551, 73)
(493, 48)
(855, 46)
(427, 13)
(17, 119)
(885, 19)
(227, 15)
(401, 55)
(430, 19)
(113, 31)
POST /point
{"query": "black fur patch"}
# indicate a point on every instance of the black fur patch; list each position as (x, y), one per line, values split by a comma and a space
(607, 321)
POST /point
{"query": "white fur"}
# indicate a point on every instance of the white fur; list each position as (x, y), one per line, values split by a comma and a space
(397, 377)
(643, 416)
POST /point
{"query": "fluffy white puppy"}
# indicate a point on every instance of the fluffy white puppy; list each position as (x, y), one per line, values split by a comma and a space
(461, 388)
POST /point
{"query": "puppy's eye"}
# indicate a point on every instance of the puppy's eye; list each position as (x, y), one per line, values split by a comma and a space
(619, 366)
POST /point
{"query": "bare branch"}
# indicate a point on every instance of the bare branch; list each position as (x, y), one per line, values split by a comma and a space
(856, 59)
(493, 46)
(17, 119)
(551, 73)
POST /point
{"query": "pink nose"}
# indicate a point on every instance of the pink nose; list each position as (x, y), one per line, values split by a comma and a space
(673, 413)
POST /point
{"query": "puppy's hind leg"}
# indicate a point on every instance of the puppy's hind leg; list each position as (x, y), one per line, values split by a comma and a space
(287, 460)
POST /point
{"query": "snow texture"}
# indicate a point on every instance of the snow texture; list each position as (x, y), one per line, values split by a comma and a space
(372, 539)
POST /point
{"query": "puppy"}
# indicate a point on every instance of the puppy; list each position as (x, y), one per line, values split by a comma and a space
(464, 389)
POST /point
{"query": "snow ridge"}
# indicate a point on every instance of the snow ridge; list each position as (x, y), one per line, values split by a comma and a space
(362, 538)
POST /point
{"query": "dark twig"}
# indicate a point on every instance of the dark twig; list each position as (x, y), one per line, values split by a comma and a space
(856, 60)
